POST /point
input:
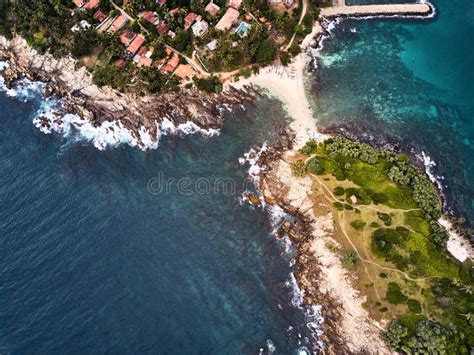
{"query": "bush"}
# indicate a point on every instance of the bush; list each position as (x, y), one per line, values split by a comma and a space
(349, 260)
(266, 53)
(386, 219)
(285, 58)
(298, 168)
(316, 166)
(339, 191)
(374, 225)
(414, 306)
(348, 207)
(310, 147)
(210, 85)
(294, 49)
(358, 224)
(394, 295)
(338, 206)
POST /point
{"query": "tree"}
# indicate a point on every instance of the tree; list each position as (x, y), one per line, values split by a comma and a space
(266, 53)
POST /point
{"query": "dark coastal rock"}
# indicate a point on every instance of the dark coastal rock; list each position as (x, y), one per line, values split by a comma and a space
(97, 105)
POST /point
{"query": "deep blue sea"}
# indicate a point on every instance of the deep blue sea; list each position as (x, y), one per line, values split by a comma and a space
(92, 261)
(409, 82)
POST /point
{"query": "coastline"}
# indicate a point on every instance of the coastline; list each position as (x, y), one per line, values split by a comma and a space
(104, 116)
(279, 188)
(320, 273)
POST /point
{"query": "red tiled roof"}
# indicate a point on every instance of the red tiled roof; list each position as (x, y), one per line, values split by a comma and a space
(99, 15)
(161, 2)
(92, 4)
(171, 65)
(136, 44)
(120, 63)
(184, 71)
(78, 3)
(145, 62)
(189, 19)
(162, 28)
(127, 36)
(212, 9)
(117, 24)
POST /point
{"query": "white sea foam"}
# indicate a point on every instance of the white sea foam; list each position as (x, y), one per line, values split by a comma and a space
(251, 157)
(429, 168)
(108, 134)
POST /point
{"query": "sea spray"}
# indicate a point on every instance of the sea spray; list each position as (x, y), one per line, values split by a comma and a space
(50, 118)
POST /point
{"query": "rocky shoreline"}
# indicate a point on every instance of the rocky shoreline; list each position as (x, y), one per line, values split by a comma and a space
(321, 280)
(65, 80)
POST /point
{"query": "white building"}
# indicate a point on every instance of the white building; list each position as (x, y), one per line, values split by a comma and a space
(200, 28)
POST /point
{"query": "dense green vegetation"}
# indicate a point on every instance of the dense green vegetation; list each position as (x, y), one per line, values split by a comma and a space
(433, 301)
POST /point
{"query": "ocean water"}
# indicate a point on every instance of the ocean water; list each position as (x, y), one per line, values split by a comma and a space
(95, 257)
(408, 82)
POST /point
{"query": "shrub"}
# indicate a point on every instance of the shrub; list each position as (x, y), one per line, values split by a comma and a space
(414, 306)
(383, 275)
(285, 58)
(349, 260)
(266, 53)
(338, 206)
(386, 219)
(358, 224)
(298, 168)
(348, 207)
(394, 295)
(316, 166)
(310, 147)
(339, 191)
(374, 225)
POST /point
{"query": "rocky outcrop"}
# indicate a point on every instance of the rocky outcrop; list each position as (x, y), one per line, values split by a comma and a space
(64, 78)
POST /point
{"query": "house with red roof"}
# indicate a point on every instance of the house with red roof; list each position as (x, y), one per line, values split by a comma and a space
(92, 4)
(79, 3)
(150, 16)
(100, 16)
(171, 65)
(136, 44)
(127, 37)
(212, 9)
(162, 28)
(118, 23)
(189, 19)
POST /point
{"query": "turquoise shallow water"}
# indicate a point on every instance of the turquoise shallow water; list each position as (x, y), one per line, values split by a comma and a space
(409, 82)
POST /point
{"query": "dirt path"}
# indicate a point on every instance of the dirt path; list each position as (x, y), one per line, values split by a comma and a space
(303, 13)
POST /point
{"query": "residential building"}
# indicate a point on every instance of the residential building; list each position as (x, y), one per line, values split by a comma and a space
(162, 28)
(234, 3)
(189, 19)
(200, 28)
(127, 37)
(228, 19)
(171, 65)
(211, 45)
(92, 4)
(100, 16)
(212, 9)
(79, 3)
(150, 16)
(184, 71)
(136, 44)
(118, 23)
